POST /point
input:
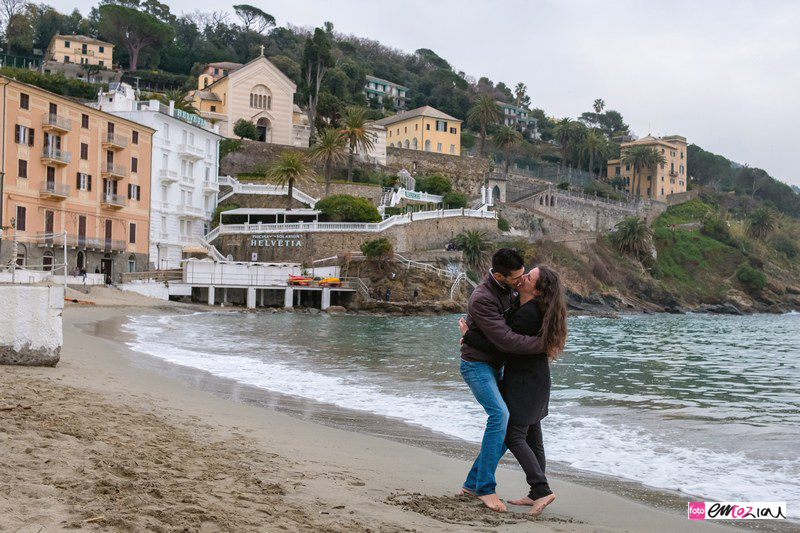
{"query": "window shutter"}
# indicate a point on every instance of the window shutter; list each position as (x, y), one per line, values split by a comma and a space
(138, 193)
(89, 182)
(133, 233)
(129, 191)
(16, 133)
(78, 181)
(21, 218)
(31, 131)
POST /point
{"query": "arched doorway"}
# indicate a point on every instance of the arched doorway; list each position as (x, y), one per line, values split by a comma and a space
(414, 143)
(47, 261)
(428, 146)
(405, 144)
(496, 193)
(81, 260)
(263, 129)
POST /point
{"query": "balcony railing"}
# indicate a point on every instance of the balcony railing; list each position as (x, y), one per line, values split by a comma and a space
(168, 176)
(192, 152)
(189, 211)
(113, 201)
(54, 191)
(210, 186)
(114, 171)
(114, 140)
(673, 172)
(55, 156)
(54, 122)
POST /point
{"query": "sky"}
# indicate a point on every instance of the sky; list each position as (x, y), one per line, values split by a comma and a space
(724, 74)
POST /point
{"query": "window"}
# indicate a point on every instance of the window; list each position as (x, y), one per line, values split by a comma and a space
(67, 44)
(439, 147)
(132, 233)
(405, 129)
(23, 135)
(132, 263)
(66, 59)
(100, 62)
(427, 127)
(441, 125)
(453, 131)
(260, 97)
(213, 108)
(21, 218)
(24, 101)
(22, 169)
(102, 49)
(452, 149)
(84, 151)
(84, 120)
(134, 164)
(83, 182)
(133, 192)
(135, 137)
(416, 127)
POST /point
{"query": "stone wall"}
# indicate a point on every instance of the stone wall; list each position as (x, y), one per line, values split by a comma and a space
(30, 325)
(465, 173)
(298, 247)
(253, 157)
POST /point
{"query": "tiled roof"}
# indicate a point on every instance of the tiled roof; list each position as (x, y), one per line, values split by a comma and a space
(424, 111)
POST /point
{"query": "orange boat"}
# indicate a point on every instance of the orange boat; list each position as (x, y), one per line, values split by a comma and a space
(300, 281)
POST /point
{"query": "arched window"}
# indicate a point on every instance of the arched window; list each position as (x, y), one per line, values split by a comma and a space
(81, 260)
(552, 201)
(405, 143)
(260, 97)
(391, 145)
(428, 145)
(414, 143)
(47, 261)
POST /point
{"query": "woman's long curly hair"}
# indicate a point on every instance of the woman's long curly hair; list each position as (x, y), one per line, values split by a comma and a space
(554, 308)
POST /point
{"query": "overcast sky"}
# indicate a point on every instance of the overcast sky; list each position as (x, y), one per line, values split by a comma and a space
(723, 73)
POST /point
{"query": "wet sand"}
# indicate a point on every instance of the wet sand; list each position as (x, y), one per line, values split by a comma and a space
(110, 440)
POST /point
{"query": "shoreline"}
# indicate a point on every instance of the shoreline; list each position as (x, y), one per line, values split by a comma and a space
(377, 480)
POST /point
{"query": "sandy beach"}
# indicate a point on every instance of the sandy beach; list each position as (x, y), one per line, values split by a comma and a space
(102, 444)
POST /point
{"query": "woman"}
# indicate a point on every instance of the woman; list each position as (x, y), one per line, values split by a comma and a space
(526, 382)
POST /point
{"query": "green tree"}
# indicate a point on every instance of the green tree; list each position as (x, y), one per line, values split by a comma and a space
(761, 224)
(19, 34)
(641, 157)
(254, 19)
(245, 129)
(377, 249)
(475, 247)
(286, 170)
(565, 132)
(454, 200)
(355, 132)
(346, 208)
(133, 29)
(594, 144)
(633, 236)
(598, 105)
(520, 91)
(752, 279)
(184, 103)
(317, 59)
(435, 184)
(330, 151)
(505, 139)
(483, 113)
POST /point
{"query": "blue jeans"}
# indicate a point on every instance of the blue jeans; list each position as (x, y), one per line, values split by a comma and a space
(483, 380)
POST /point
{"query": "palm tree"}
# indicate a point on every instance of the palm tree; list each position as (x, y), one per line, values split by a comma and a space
(598, 105)
(505, 139)
(564, 131)
(642, 157)
(329, 150)
(594, 143)
(519, 91)
(484, 112)
(475, 248)
(181, 99)
(632, 235)
(288, 168)
(354, 131)
(762, 223)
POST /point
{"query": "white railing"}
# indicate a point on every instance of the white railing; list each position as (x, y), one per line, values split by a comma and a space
(392, 197)
(212, 250)
(187, 210)
(461, 277)
(267, 189)
(319, 227)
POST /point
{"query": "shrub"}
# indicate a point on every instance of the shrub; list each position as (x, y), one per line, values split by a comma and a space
(219, 209)
(786, 246)
(391, 211)
(226, 146)
(245, 129)
(716, 228)
(603, 190)
(55, 83)
(564, 186)
(502, 224)
(750, 278)
(454, 200)
(377, 248)
(346, 208)
(434, 185)
(467, 140)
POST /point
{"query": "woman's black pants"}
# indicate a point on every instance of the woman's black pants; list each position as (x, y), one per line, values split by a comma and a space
(526, 443)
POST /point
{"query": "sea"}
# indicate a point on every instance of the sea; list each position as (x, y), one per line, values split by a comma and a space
(706, 406)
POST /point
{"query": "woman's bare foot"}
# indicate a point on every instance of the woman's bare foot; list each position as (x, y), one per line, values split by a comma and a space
(521, 501)
(465, 492)
(541, 503)
(493, 502)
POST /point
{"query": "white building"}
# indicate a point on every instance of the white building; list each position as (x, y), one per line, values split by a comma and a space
(185, 166)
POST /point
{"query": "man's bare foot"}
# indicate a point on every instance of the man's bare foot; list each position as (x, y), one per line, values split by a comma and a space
(541, 503)
(465, 492)
(493, 502)
(521, 501)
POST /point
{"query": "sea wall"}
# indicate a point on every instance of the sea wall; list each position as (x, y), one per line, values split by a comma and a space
(30, 325)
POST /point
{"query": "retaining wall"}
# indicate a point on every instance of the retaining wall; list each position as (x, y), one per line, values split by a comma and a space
(30, 325)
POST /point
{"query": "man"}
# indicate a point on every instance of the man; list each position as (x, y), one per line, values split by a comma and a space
(487, 309)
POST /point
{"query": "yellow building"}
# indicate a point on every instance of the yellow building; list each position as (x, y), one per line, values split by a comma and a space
(71, 55)
(657, 183)
(424, 128)
(257, 92)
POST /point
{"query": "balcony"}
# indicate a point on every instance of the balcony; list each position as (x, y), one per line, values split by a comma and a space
(187, 211)
(210, 186)
(112, 201)
(113, 171)
(115, 141)
(56, 124)
(213, 115)
(167, 176)
(54, 156)
(191, 152)
(673, 173)
(54, 191)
